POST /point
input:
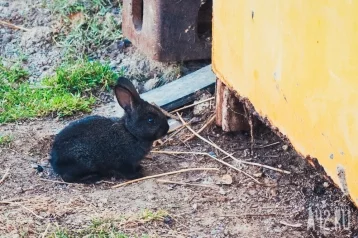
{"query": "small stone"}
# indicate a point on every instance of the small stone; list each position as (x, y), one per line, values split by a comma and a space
(222, 191)
(258, 175)
(195, 206)
(168, 220)
(325, 184)
(285, 147)
(226, 179)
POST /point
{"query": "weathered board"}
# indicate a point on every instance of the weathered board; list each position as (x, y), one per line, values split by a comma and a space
(172, 95)
(182, 91)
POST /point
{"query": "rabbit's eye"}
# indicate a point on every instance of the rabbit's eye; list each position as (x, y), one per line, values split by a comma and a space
(150, 120)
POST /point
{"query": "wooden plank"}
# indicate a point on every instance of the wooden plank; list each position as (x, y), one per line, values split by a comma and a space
(233, 113)
(172, 95)
(182, 91)
(230, 113)
(219, 102)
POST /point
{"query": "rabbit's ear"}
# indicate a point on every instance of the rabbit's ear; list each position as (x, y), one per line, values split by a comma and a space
(126, 94)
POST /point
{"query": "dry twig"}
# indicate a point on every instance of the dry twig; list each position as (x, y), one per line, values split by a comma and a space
(176, 131)
(251, 215)
(298, 225)
(5, 175)
(192, 105)
(268, 145)
(202, 128)
(46, 230)
(164, 174)
(55, 181)
(186, 184)
(26, 208)
(206, 154)
(226, 153)
(13, 26)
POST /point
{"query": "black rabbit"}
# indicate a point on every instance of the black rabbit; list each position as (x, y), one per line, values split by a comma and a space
(95, 147)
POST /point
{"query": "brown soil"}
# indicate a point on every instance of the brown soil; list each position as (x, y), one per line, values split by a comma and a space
(284, 205)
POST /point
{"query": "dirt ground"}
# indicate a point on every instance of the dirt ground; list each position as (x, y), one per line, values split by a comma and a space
(300, 204)
(34, 203)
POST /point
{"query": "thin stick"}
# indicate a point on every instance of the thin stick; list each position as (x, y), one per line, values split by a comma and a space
(202, 128)
(192, 105)
(249, 215)
(207, 154)
(9, 201)
(164, 174)
(55, 181)
(180, 127)
(298, 225)
(13, 26)
(46, 230)
(227, 156)
(5, 175)
(187, 184)
(265, 146)
(226, 153)
(176, 131)
(165, 112)
(28, 209)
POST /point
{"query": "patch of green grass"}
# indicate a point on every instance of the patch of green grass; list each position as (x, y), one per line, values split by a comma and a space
(69, 91)
(105, 230)
(109, 227)
(87, 26)
(13, 74)
(149, 215)
(89, 233)
(5, 140)
(67, 7)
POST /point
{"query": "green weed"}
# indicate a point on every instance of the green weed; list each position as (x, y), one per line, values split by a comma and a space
(69, 91)
(67, 7)
(149, 215)
(13, 74)
(5, 140)
(87, 26)
(109, 227)
(100, 232)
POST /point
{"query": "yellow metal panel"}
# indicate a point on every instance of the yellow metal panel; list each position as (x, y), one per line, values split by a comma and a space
(297, 62)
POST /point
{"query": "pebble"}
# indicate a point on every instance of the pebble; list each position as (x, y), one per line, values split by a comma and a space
(285, 147)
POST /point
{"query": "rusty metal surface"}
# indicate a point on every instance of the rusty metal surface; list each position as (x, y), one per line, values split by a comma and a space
(169, 30)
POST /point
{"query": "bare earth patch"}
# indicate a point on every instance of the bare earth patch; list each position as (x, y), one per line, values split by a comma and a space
(232, 205)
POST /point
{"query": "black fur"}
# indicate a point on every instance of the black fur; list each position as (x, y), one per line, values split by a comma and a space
(95, 147)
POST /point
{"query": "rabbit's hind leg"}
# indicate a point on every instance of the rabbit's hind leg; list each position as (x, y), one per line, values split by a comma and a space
(129, 171)
(75, 175)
